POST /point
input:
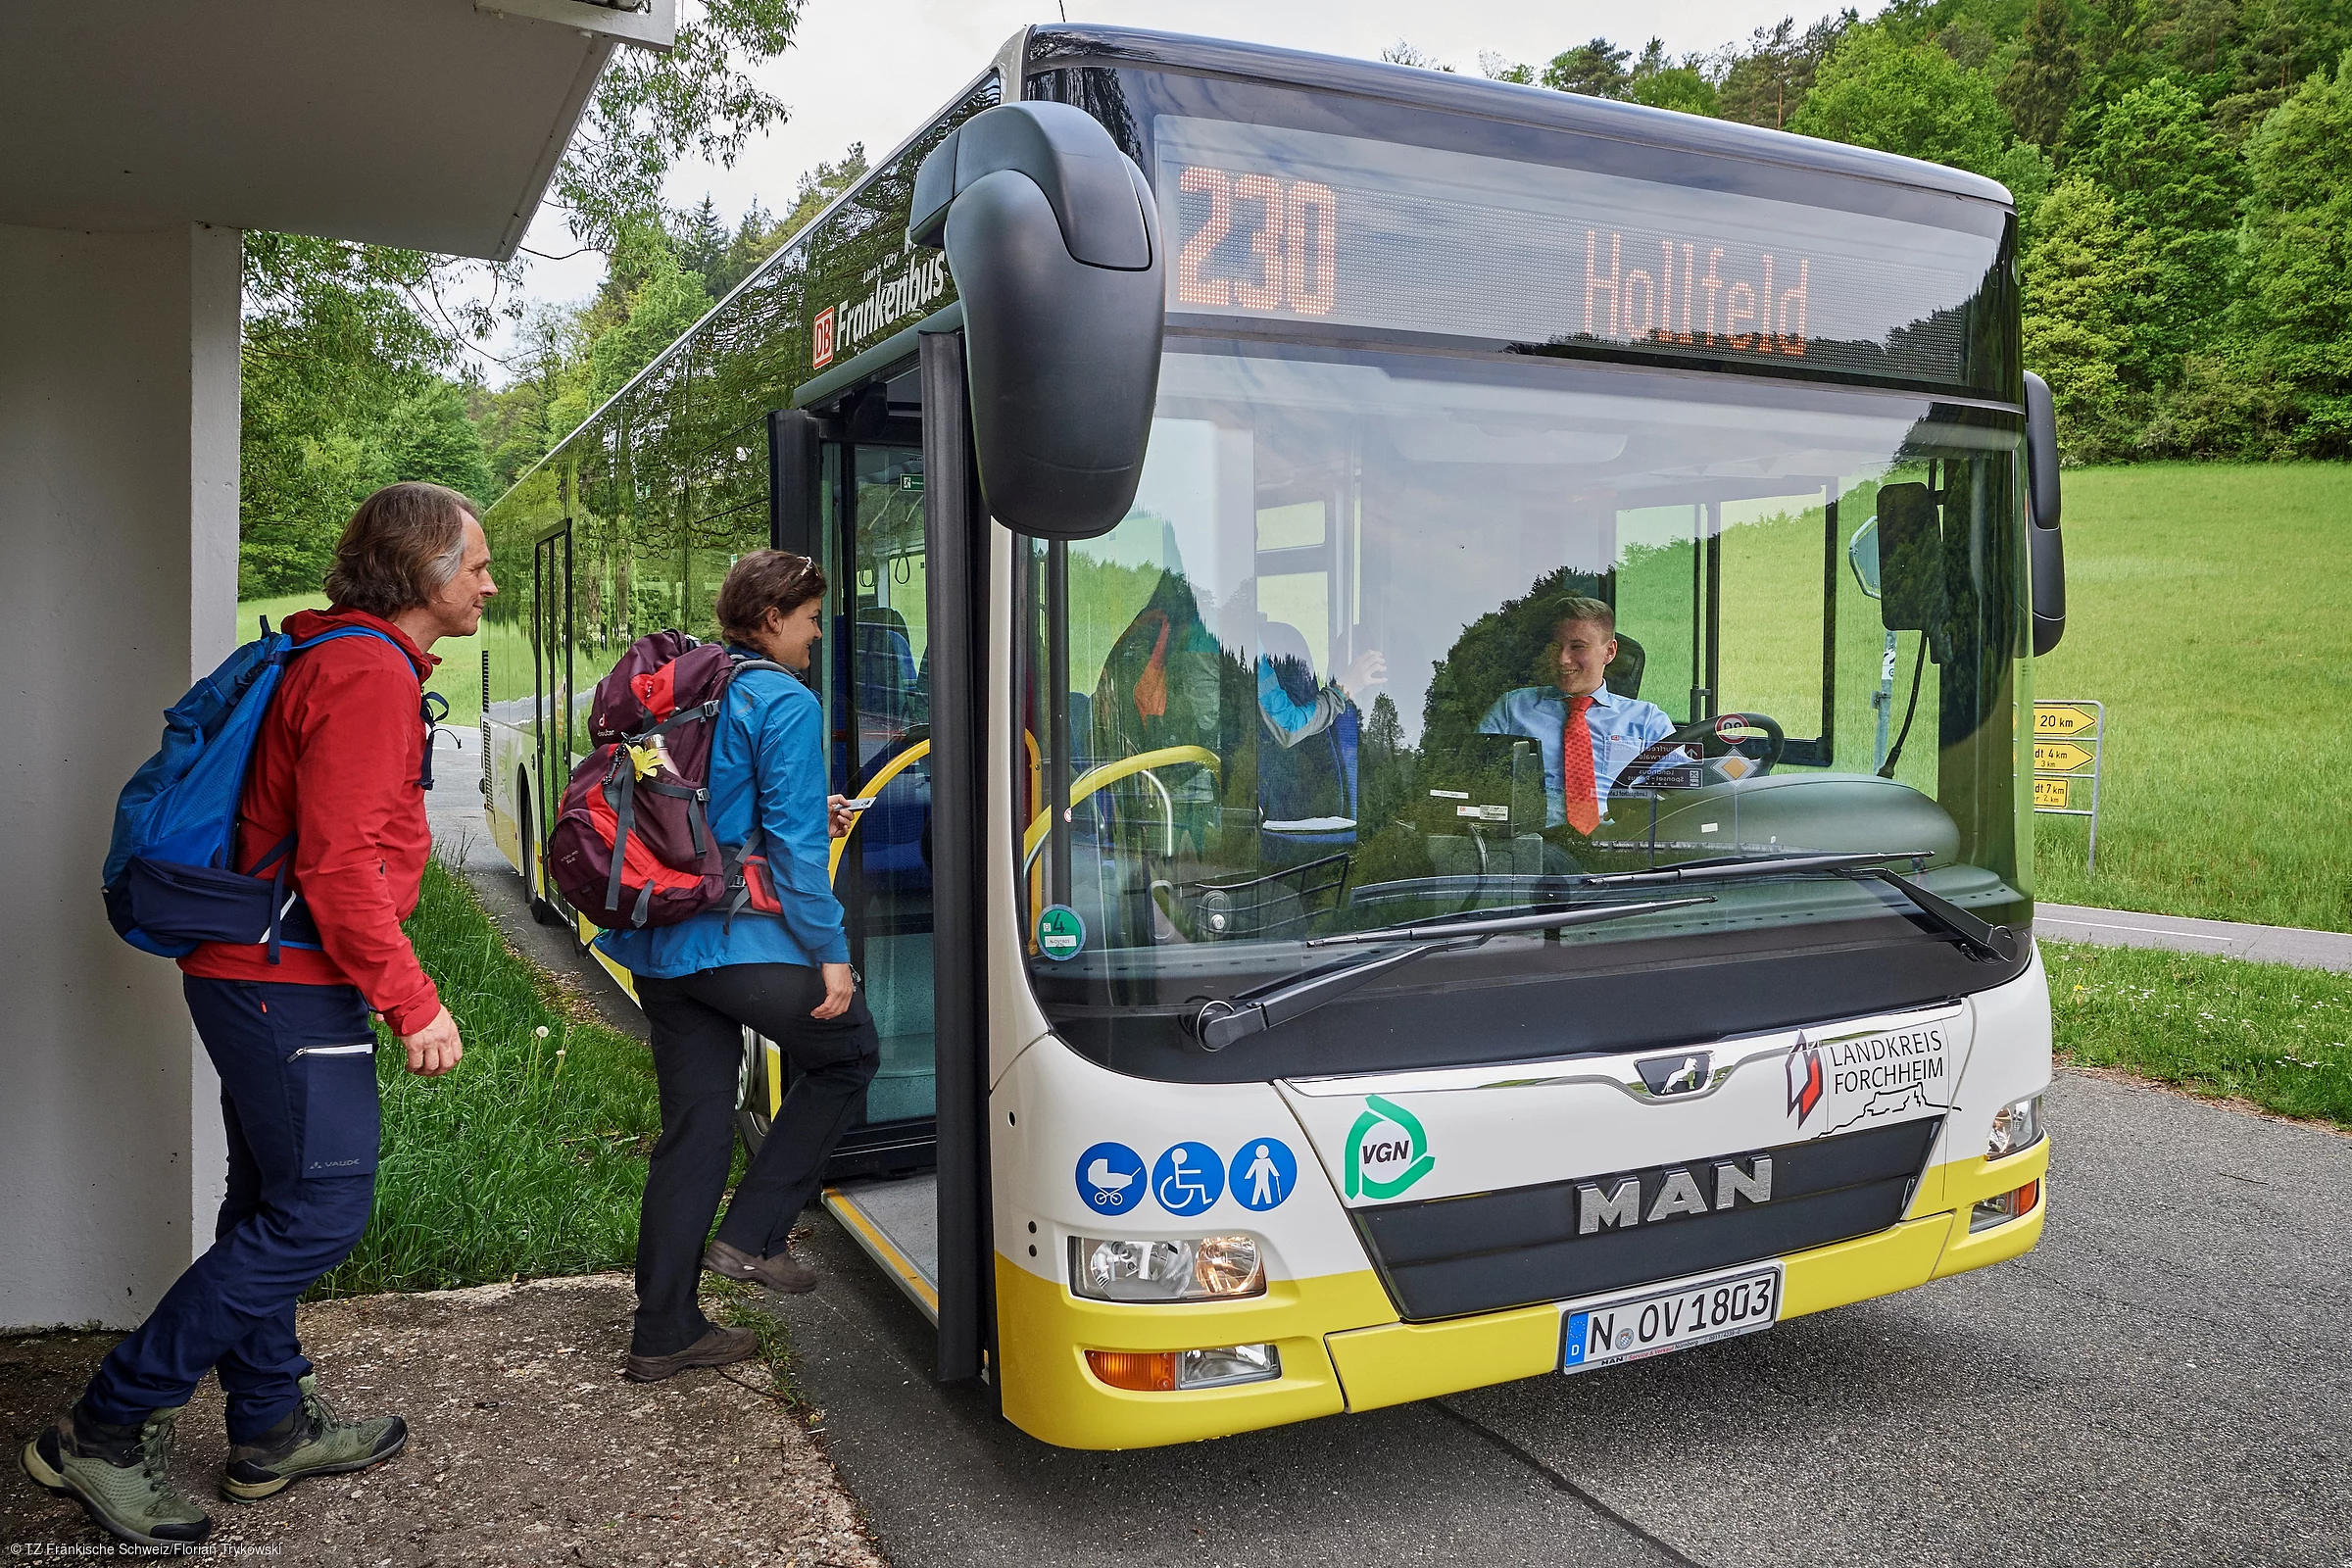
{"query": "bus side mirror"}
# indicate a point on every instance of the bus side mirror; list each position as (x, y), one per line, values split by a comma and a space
(2042, 490)
(1052, 239)
(1910, 560)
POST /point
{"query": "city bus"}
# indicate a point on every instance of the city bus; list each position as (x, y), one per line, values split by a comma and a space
(1214, 454)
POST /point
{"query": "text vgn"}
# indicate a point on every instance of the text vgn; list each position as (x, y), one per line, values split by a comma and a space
(1312, 227)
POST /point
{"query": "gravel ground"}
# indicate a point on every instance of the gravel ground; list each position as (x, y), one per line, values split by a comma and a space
(525, 1445)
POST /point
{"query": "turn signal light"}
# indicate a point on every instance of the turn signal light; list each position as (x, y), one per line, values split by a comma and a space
(1128, 1369)
(2009, 1206)
(1167, 1371)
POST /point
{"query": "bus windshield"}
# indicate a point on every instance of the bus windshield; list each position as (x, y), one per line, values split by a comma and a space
(1394, 637)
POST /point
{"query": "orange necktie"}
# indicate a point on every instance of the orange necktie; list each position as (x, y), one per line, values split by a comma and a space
(1578, 793)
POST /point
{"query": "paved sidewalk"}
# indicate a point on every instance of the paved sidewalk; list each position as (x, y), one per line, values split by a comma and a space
(525, 1446)
(2263, 944)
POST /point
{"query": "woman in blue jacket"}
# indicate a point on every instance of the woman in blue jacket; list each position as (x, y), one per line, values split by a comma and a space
(787, 975)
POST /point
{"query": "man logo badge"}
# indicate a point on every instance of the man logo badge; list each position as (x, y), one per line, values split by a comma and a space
(1681, 1074)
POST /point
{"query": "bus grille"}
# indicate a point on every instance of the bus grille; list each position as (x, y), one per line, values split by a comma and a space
(1447, 1256)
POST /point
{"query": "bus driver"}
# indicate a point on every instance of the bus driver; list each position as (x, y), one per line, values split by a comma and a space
(1613, 729)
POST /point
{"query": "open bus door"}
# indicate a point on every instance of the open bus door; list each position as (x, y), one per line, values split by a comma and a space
(874, 487)
(551, 708)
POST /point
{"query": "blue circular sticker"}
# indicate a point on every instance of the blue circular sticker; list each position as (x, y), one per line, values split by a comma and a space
(1187, 1179)
(1110, 1178)
(1264, 1170)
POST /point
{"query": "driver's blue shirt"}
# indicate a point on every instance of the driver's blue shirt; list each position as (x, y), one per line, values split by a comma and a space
(1621, 728)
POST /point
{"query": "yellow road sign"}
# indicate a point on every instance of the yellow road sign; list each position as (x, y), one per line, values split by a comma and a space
(2060, 756)
(2051, 794)
(2063, 718)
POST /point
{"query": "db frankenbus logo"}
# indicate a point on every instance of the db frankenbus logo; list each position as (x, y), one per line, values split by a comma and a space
(820, 339)
(1387, 1151)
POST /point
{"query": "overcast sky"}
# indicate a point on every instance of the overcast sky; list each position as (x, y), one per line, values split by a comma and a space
(872, 70)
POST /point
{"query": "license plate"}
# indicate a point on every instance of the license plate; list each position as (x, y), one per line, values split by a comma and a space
(1669, 1317)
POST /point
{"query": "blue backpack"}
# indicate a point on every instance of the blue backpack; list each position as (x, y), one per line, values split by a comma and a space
(172, 881)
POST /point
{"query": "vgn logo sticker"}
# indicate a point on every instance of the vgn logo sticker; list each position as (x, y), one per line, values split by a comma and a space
(1388, 1149)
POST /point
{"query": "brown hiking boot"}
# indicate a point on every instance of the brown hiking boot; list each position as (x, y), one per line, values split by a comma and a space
(721, 1347)
(782, 1272)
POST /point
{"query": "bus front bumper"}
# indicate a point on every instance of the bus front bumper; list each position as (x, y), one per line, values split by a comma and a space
(1044, 1332)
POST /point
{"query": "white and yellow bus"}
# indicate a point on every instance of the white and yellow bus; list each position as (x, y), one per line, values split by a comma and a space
(1200, 440)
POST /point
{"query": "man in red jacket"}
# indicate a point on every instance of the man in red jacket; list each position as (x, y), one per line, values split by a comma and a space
(341, 762)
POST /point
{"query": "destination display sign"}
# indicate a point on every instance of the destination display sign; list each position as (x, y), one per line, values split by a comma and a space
(1309, 227)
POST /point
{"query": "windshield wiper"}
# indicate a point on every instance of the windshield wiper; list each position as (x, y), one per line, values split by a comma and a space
(1726, 870)
(1222, 1021)
(1983, 941)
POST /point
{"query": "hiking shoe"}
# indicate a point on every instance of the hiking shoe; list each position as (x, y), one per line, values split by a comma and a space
(782, 1272)
(721, 1347)
(118, 1476)
(311, 1441)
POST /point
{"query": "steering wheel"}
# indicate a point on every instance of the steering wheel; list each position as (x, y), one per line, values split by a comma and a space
(1717, 732)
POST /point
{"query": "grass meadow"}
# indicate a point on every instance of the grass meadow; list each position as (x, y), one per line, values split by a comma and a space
(2277, 1037)
(2210, 607)
(529, 1158)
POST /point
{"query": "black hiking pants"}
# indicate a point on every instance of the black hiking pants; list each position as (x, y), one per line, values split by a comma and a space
(698, 1022)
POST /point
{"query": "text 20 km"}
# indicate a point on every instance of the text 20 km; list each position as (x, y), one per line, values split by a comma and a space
(1293, 232)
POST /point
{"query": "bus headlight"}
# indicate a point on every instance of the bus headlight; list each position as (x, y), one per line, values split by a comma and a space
(1206, 1268)
(1168, 1371)
(2015, 1126)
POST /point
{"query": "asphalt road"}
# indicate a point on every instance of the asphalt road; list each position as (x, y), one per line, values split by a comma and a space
(2167, 1380)
(2164, 1380)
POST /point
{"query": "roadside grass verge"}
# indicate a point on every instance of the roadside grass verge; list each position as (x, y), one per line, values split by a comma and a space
(2278, 1037)
(2209, 605)
(529, 1158)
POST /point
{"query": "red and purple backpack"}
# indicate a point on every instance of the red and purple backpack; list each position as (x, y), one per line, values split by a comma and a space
(632, 843)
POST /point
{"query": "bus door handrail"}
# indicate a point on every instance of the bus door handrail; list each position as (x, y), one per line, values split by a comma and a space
(873, 787)
(1096, 779)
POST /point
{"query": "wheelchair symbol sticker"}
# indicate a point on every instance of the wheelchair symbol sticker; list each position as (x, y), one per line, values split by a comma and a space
(1110, 1178)
(1264, 1170)
(1187, 1179)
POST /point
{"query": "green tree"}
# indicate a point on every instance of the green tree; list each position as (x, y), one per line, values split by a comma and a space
(2040, 88)
(1595, 70)
(1766, 83)
(1912, 99)
(2084, 268)
(2171, 174)
(427, 435)
(1664, 85)
(2295, 308)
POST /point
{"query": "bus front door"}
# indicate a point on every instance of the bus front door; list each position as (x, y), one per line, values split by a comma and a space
(857, 506)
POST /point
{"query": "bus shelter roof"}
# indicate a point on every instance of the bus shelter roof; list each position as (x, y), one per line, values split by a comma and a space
(430, 123)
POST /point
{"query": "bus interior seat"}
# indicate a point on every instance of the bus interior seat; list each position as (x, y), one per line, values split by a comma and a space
(886, 671)
(1623, 677)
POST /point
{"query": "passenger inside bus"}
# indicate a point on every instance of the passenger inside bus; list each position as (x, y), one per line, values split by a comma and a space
(1572, 690)
(1307, 764)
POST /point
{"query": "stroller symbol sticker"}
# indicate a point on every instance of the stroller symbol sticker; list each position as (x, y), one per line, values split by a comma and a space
(1264, 1170)
(1110, 1178)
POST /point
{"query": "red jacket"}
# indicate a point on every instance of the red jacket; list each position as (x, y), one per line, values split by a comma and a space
(337, 765)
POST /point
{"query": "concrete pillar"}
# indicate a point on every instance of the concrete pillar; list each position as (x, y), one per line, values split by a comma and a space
(118, 424)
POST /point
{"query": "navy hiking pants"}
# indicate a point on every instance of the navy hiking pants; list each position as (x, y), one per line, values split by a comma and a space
(296, 1071)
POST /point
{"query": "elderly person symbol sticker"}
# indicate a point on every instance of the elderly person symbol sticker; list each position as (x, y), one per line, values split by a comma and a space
(1387, 1151)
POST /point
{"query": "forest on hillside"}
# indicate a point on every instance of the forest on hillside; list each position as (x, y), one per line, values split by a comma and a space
(2182, 171)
